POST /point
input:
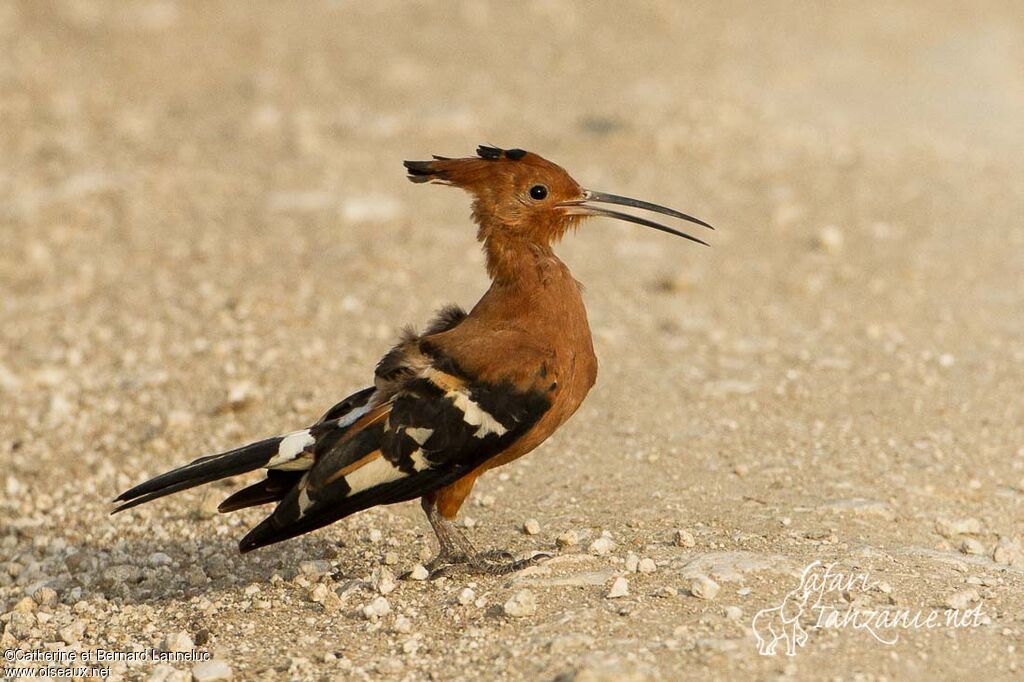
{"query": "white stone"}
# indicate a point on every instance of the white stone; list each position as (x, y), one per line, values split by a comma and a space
(704, 587)
(179, 642)
(1008, 551)
(402, 625)
(963, 599)
(602, 546)
(567, 539)
(684, 538)
(972, 546)
(211, 671)
(831, 239)
(948, 528)
(521, 604)
(383, 580)
(377, 608)
(620, 588)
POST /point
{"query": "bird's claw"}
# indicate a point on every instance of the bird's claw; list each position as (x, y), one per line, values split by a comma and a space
(492, 562)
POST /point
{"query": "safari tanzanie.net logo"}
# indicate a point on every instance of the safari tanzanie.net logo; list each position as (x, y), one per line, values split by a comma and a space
(829, 599)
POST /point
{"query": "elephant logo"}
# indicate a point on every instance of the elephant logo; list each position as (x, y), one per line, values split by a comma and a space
(782, 623)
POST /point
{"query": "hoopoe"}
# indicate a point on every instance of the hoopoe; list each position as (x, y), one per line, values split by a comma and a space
(474, 391)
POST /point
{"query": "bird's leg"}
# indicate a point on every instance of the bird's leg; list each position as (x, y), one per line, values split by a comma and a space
(457, 552)
(455, 547)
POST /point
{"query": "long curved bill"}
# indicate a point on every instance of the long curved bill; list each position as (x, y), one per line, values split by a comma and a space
(582, 207)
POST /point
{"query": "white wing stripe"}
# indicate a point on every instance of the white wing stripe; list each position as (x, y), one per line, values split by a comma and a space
(291, 446)
(474, 415)
(376, 472)
(420, 435)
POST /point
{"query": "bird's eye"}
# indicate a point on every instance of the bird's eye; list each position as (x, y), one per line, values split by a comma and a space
(538, 192)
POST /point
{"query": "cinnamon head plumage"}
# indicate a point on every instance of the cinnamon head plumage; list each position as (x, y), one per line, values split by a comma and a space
(473, 391)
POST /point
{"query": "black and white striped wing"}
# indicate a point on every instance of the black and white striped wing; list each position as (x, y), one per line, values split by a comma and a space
(435, 429)
(285, 458)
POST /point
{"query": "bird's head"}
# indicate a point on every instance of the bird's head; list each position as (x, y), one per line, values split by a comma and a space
(519, 194)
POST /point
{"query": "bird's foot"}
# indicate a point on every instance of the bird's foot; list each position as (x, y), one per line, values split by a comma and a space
(493, 562)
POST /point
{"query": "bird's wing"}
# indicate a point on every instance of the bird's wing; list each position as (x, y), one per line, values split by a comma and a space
(349, 406)
(439, 422)
(282, 456)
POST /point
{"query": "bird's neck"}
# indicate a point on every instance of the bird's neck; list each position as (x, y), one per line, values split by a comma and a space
(512, 260)
(530, 287)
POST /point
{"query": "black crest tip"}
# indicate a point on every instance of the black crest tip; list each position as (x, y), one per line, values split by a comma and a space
(494, 153)
(489, 153)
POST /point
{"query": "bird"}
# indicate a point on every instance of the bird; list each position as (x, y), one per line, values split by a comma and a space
(475, 390)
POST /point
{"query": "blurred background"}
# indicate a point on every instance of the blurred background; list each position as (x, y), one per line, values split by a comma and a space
(206, 237)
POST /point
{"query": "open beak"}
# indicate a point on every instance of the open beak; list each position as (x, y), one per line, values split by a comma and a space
(582, 207)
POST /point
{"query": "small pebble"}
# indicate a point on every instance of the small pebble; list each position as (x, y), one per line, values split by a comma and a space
(684, 538)
(25, 605)
(963, 599)
(602, 546)
(972, 546)
(376, 608)
(178, 642)
(632, 562)
(322, 594)
(949, 528)
(466, 596)
(402, 625)
(70, 634)
(1009, 551)
(315, 569)
(45, 596)
(733, 612)
(531, 527)
(211, 671)
(620, 588)
(167, 673)
(704, 587)
(159, 559)
(647, 565)
(383, 580)
(239, 395)
(567, 539)
(419, 572)
(521, 604)
(830, 239)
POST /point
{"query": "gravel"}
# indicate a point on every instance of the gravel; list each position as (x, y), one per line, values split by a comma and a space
(208, 239)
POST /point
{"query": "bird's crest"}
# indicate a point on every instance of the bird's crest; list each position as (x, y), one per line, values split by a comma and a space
(466, 171)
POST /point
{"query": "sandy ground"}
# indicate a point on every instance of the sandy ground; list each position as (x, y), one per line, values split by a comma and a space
(207, 238)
